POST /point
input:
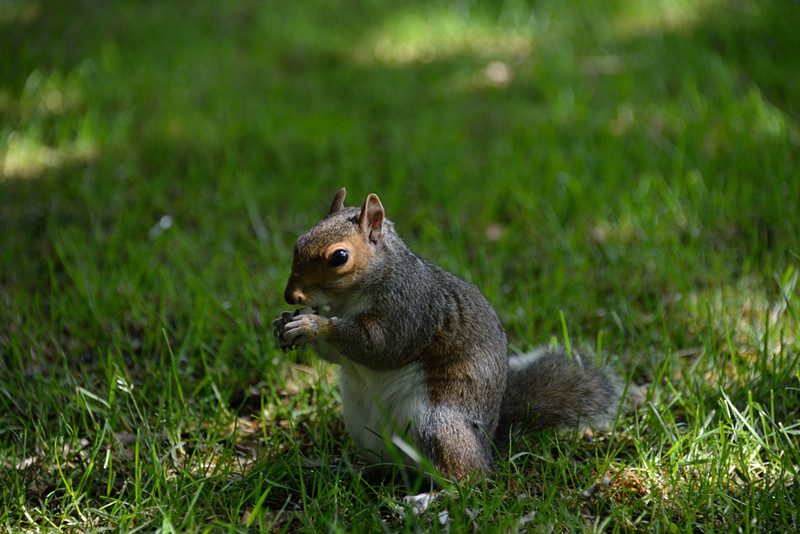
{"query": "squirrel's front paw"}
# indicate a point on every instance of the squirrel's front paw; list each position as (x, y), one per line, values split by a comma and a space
(301, 330)
(279, 327)
(297, 328)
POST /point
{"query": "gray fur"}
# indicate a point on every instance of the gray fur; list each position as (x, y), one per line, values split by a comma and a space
(547, 389)
(405, 311)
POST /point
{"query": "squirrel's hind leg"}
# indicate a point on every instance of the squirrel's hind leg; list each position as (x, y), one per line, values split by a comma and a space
(457, 445)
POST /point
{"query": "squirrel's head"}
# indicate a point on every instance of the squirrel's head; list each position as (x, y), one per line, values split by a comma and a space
(336, 254)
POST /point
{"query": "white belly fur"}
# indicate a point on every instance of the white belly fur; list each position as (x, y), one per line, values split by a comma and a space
(382, 403)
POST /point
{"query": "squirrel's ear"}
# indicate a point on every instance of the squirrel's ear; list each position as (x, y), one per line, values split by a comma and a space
(338, 201)
(371, 218)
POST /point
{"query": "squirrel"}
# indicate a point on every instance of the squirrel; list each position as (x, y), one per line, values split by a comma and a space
(422, 351)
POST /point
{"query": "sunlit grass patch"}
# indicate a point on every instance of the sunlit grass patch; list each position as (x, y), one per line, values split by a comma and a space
(644, 17)
(442, 32)
(49, 125)
(26, 157)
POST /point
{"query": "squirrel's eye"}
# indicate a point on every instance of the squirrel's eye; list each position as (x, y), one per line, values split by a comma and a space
(339, 257)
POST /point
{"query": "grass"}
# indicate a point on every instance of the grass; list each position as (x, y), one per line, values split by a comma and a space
(631, 166)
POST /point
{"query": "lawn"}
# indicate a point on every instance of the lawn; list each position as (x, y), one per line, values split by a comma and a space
(621, 174)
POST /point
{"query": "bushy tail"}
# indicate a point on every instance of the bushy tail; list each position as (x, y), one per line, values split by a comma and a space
(548, 389)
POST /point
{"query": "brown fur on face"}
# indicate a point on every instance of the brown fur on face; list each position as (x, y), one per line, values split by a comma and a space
(313, 268)
(317, 270)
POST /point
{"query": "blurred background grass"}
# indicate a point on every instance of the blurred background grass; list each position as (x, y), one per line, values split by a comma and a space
(620, 161)
(620, 154)
(631, 163)
(615, 160)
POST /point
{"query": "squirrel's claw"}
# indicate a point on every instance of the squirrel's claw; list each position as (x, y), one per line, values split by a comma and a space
(301, 330)
(294, 328)
(279, 329)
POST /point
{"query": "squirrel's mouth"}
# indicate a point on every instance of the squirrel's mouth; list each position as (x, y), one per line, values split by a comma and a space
(307, 310)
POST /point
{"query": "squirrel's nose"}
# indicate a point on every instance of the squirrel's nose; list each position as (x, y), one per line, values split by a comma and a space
(294, 296)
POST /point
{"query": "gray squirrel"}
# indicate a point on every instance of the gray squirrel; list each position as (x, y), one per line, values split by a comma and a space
(422, 351)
